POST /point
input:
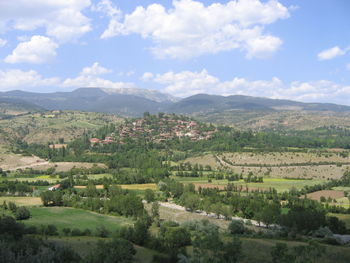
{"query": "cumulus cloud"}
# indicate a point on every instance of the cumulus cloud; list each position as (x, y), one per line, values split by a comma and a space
(106, 7)
(89, 77)
(332, 53)
(95, 69)
(61, 19)
(3, 42)
(18, 79)
(37, 50)
(187, 83)
(191, 29)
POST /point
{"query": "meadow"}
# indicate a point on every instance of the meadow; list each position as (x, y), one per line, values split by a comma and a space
(63, 217)
(280, 184)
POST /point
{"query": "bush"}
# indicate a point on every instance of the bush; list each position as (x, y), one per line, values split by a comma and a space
(66, 231)
(76, 232)
(12, 206)
(236, 227)
(102, 231)
(22, 213)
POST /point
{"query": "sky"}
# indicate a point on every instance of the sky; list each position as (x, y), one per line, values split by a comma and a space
(287, 49)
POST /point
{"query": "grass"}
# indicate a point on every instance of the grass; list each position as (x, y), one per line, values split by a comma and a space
(280, 184)
(342, 188)
(63, 217)
(22, 201)
(84, 245)
(262, 249)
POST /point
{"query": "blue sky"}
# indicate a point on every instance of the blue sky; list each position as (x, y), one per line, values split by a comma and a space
(287, 49)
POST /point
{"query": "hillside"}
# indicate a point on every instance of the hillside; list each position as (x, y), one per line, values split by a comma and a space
(212, 103)
(51, 126)
(14, 107)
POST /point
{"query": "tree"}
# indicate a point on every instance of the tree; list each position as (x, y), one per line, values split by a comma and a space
(232, 251)
(175, 238)
(269, 214)
(236, 227)
(155, 212)
(190, 201)
(116, 251)
(149, 195)
(280, 254)
(22, 213)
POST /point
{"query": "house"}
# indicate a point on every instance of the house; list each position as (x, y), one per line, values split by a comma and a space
(94, 140)
(55, 187)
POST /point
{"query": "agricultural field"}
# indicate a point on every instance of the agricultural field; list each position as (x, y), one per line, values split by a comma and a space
(280, 184)
(277, 165)
(333, 194)
(283, 158)
(22, 201)
(63, 217)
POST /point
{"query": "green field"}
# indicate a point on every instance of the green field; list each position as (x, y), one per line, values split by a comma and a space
(63, 217)
(280, 184)
(342, 188)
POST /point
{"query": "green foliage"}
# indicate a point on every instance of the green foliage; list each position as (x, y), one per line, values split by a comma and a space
(236, 227)
(22, 213)
(116, 251)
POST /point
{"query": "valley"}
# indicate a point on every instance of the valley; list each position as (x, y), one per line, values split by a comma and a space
(140, 179)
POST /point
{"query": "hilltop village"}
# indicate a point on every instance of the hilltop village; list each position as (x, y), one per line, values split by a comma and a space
(158, 128)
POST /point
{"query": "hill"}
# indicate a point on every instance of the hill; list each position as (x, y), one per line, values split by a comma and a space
(212, 103)
(14, 107)
(53, 126)
(244, 112)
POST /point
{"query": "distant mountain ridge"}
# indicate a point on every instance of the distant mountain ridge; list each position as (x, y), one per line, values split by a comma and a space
(134, 102)
(202, 103)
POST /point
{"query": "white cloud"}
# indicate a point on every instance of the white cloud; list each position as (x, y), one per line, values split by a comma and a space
(331, 53)
(348, 66)
(18, 79)
(3, 42)
(147, 76)
(88, 77)
(191, 29)
(187, 83)
(95, 69)
(62, 19)
(37, 50)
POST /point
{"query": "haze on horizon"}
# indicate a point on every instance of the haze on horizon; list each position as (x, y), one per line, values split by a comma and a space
(298, 50)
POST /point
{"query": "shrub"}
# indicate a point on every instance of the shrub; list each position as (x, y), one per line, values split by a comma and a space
(102, 231)
(12, 206)
(236, 227)
(76, 232)
(66, 231)
(22, 213)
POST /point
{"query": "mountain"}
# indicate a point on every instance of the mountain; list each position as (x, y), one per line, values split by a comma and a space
(13, 107)
(127, 103)
(240, 111)
(203, 103)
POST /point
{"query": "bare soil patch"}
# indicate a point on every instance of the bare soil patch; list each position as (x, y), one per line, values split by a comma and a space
(326, 193)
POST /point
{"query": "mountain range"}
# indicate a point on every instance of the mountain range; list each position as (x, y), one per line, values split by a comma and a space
(134, 102)
(244, 112)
